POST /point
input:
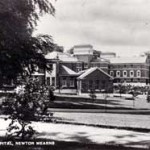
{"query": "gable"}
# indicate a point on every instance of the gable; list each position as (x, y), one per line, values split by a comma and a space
(97, 74)
(94, 73)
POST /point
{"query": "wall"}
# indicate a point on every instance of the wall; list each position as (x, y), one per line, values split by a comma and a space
(142, 67)
(97, 81)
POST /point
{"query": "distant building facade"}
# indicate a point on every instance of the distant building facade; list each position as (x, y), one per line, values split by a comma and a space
(130, 70)
(67, 69)
(83, 68)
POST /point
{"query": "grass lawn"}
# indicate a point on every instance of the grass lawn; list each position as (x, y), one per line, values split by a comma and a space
(81, 105)
(80, 102)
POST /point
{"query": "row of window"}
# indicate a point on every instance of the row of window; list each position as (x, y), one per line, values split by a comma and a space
(131, 74)
(79, 66)
(99, 65)
(65, 83)
(93, 84)
(129, 66)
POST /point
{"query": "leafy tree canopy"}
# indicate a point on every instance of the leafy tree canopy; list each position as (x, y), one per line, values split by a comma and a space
(19, 50)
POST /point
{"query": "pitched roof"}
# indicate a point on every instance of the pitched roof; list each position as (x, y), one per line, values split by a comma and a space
(90, 70)
(67, 71)
(61, 56)
(100, 60)
(122, 60)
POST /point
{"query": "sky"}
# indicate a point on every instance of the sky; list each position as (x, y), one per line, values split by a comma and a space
(121, 26)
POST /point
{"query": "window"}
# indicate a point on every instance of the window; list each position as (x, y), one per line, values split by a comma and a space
(85, 65)
(90, 84)
(131, 73)
(48, 80)
(142, 66)
(103, 84)
(118, 66)
(71, 83)
(95, 65)
(79, 65)
(118, 73)
(64, 83)
(96, 84)
(138, 73)
(124, 73)
(53, 81)
(112, 73)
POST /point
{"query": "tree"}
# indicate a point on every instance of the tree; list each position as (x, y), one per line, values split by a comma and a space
(20, 54)
(29, 104)
(20, 51)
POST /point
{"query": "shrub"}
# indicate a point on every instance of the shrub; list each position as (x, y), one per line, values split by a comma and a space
(24, 106)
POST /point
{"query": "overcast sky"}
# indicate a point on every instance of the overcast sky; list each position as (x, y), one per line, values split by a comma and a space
(121, 26)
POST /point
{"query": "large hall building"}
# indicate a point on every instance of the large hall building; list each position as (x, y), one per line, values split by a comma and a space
(82, 69)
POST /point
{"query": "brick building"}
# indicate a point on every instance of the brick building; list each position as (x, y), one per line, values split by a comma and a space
(94, 79)
(81, 58)
(67, 69)
(89, 57)
(70, 67)
(130, 70)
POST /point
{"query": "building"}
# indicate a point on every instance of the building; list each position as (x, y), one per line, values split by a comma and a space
(61, 61)
(130, 70)
(89, 57)
(94, 79)
(67, 69)
(83, 69)
(67, 79)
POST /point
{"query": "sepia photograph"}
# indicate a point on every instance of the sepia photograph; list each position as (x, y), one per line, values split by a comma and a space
(74, 74)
